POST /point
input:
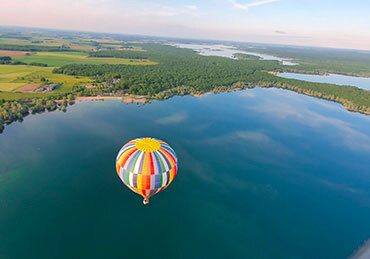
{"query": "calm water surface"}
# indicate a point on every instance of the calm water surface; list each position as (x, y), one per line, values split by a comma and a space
(360, 82)
(229, 52)
(264, 173)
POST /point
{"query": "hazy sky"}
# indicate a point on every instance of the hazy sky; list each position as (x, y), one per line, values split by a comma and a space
(331, 23)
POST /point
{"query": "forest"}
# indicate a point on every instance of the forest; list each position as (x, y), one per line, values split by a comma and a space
(185, 69)
(119, 54)
(177, 67)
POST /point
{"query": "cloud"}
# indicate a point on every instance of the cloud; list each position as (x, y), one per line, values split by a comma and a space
(254, 136)
(248, 94)
(165, 12)
(168, 11)
(280, 32)
(256, 140)
(300, 112)
(191, 7)
(172, 119)
(247, 6)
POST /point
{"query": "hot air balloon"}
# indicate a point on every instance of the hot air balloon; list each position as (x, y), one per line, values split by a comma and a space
(146, 166)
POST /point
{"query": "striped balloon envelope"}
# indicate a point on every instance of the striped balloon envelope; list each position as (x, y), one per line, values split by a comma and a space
(146, 166)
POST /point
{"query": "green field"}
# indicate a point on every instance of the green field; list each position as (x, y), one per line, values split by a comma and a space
(14, 41)
(11, 76)
(14, 77)
(57, 59)
(8, 87)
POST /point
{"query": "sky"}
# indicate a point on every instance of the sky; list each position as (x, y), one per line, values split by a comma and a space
(326, 23)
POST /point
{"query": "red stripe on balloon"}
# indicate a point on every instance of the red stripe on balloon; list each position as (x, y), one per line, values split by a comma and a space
(151, 163)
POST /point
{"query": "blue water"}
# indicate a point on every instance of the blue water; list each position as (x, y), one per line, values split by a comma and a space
(230, 51)
(360, 82)
(263, 173)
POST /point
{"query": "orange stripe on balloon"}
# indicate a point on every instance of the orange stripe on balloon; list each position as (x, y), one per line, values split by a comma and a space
(172, 173)
(122, 160)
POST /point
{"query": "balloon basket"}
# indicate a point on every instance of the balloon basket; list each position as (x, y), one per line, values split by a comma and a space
(146, 201)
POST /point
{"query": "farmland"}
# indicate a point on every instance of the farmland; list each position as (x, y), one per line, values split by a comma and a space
(34, 57)
(12, 53)
(57, 59)
(13, 78)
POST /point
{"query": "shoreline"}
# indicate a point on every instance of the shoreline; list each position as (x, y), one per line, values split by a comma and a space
(316, 73)
(346, 104)
(130, 99)
(125, 98)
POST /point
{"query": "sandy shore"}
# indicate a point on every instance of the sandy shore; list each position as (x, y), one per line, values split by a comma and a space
(275, 73)
(97, 98)
(203, 94)
(125, 99)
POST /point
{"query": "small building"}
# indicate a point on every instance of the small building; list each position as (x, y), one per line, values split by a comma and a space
(47, 88)
(90, 86)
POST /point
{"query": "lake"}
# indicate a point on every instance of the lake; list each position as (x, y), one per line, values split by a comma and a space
(263, 173)
(360, 82)
(229, 52)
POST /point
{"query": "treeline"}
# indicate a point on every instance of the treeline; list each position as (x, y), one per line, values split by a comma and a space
(352, 98)
(11, 111)
(243, 56)
(33, 48)
(6, 60)
(128, 54)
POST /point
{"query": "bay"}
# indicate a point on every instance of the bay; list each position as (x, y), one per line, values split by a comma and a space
(360, 82)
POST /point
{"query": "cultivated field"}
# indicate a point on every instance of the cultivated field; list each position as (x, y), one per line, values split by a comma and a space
(21, 81)
(11, 76)
(12, 53)
(35, 41)
(23, 78)
(57, 59)
(28, 88)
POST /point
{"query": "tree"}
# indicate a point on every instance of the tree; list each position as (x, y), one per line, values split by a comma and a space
(5, 60)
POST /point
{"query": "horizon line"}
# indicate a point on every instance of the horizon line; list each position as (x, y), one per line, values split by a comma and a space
(181, 38)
